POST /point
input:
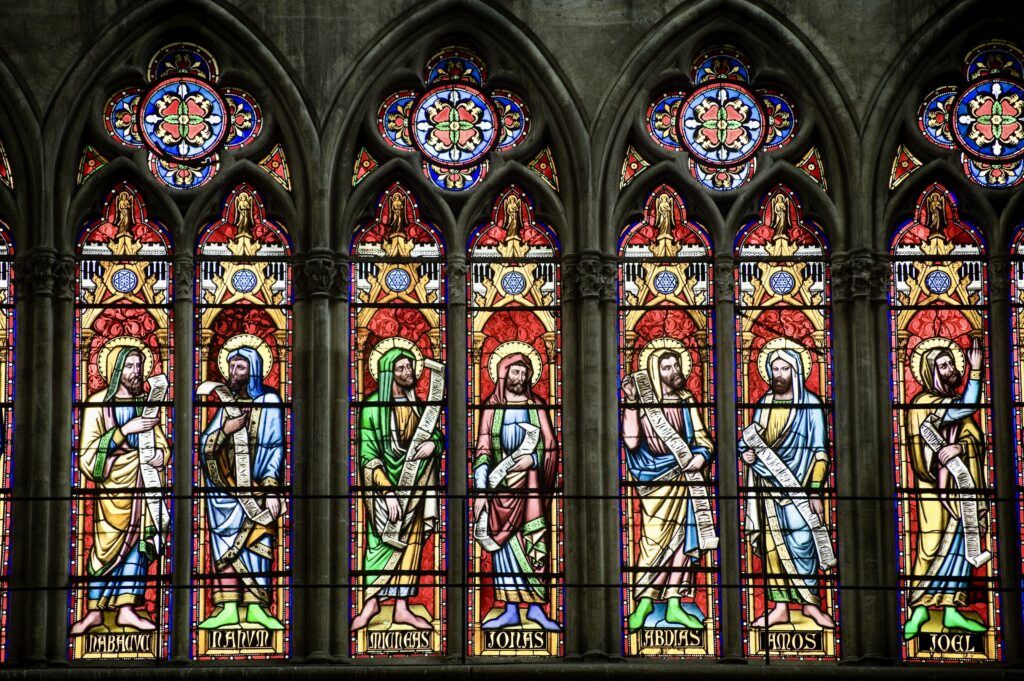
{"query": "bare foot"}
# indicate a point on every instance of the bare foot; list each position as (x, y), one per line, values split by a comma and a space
(819, 616)
(127, 617)
(403, 615)
(93, 618)
(370, 608)
(778, 615)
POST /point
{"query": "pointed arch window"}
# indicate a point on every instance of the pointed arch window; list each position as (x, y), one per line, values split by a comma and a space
(122, 467)
(668, 482)
(942, 435)
(1017, 364)
(241, 571)
(398, 420)
(7, 328)
(516, 581)
(785, 454)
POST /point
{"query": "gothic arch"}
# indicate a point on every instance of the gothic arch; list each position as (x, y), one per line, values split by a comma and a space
(516, 59)
(662, 57)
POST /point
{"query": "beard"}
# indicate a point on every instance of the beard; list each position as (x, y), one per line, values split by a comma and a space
(133, 385)
(515, 387)
(951, 383)
(239, 384)
(781, 385)
(673, 383)
(405, 383)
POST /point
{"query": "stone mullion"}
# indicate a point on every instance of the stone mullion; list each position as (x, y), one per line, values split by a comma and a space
(611, 515)
(338, 539)
(182, 453)
(728, 476)
(458, 457)
(1004, 455)
(311, 472)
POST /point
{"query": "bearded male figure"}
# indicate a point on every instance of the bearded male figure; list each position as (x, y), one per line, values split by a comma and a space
(124, 532)
(669, 540)
(386, 428)
(941, 569)
(242, 546)
(793, 425)
(518, 506)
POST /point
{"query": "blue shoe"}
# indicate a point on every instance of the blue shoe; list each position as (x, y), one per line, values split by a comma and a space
(509, 618)
(536, 614)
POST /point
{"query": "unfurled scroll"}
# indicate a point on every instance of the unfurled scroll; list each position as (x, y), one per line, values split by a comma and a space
(496, 476)
(242, 455)
(968, 503)
(783, 477)
(706, 537)
(147, 453)
(424, 430)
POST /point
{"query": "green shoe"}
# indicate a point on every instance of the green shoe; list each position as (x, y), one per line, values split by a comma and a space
(225, 617)
(913, 626)
(953, 619)
(676, 615)
(255, 614)
(639, 616)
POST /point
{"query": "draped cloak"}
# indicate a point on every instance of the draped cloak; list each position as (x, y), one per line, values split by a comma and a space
(795, 430)
(123, 529)
(385, 432)
(237, 542)
(518, 522)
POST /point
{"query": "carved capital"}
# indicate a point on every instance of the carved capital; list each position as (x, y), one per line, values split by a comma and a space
(592, 277)
(184, 278)
(725, 279)
(860, 274)
(457, 280)
(339, 283)
(999, 278)
(315, 275)
(48, 274)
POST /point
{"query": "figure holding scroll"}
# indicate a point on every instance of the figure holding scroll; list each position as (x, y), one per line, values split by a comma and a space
(789, 422)
(387, 446)
(669, 536)
(941, 564)
(512, 516)
(242, 523)
(128, 529)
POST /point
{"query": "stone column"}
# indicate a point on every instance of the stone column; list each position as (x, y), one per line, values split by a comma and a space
(728, 490)
(311, 461)
(182, 456)
(338, 448)
(1004, 453)
(458, 456)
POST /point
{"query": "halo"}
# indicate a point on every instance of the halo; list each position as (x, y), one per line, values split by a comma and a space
(933, 343)
(119, 342)
(395, 342)
(245, 340)
(510, 347)
(782, 343)
(658, 346)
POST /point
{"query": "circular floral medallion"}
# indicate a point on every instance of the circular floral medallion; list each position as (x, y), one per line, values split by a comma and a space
(513, 119)
(723, 179)
(722, 124)
(244, 118)
(782, 282)
(663, 120)
(393, 121)
(454, 125)
(666, 282)
(244, 280)
(938, 281)
(183, 59)
(182, 118)
(720, 63)
(457, 179)
(179, 175)
(989, 122)
(933, 117)
(780, 119)
(513, 283)
(996, 58)
(124, 281)
(397, 280)
(455, 64)
(121, 117)
(997, 175)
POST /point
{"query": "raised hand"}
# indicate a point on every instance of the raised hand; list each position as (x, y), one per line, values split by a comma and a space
(232, 426)
(974, 354)
(139, 424)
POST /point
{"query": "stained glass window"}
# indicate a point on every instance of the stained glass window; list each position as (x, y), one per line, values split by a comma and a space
(398, 456)
(667, 401)
(1017, 363)
(516, 584)
(241, 603)
(122, 467)
(7, 327)
(941, 423)
(786, 462)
